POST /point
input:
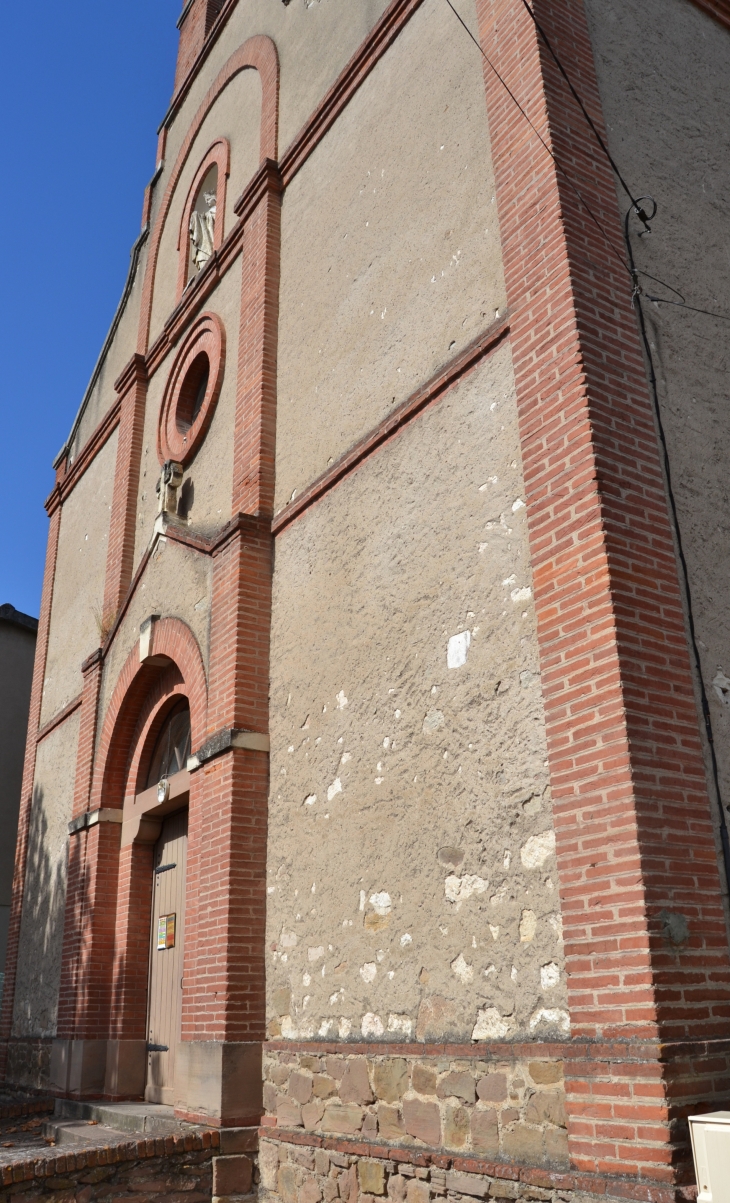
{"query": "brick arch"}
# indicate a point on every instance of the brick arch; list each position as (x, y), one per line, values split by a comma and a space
(139, 695)
(259, 53)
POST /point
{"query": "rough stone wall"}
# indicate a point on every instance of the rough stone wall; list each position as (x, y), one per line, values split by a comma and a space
(41, 927)
(662, 70)
(236, 115)
(78, 591)
(205, 494)
(401, 264)
(295, 1173)
(511, 1109)
(412, 886)
(174, 1168)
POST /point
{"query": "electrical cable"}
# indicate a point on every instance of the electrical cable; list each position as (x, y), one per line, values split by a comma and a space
(640, 213)
(557, 163)
(707, 718)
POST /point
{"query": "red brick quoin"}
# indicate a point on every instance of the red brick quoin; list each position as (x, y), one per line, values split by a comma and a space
(632, 814)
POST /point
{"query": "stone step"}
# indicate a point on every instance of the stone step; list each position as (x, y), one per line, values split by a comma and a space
(139, 1119)
(82, 1135)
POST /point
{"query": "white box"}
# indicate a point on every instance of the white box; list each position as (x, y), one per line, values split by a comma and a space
(711, 1152)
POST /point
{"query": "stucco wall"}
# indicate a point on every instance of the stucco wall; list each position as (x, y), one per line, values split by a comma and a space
(401, 263)
(663, 68)
(236, 115)
(176, 584)
(412, 883)
(314, 42)
(41, 927)
(78, 591)
(206, 491)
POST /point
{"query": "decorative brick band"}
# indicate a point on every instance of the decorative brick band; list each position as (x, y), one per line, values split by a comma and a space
(444, 379)
(59, 718)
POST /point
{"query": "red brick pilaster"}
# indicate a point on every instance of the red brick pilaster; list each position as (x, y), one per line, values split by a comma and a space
(91, 671)
(224, 979)
(634, 832)
(132, 388)
(255, 429)
(53, 505)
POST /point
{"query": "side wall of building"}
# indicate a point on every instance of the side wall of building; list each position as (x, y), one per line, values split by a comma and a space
(662, 70)
(17, 652)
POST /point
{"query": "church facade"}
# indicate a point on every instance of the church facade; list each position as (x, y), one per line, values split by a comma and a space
(375, 790)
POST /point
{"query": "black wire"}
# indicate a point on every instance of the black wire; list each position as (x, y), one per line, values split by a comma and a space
(724, 837)
(634, 204)
(559, 165)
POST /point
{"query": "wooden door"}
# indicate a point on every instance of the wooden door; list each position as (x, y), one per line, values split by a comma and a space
(166, 958)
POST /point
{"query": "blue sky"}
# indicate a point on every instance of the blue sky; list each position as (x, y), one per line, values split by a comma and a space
(83, 87)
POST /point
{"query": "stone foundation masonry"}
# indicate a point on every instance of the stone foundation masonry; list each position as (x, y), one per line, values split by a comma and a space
(511, 1107)
(304, 1168)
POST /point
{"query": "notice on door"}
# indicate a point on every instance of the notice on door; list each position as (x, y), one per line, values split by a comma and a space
(165, 932)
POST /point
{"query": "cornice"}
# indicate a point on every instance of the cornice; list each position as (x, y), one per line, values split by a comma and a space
(135, 372)
(719, 9)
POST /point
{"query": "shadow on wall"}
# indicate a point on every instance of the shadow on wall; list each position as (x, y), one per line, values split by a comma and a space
(39, 954)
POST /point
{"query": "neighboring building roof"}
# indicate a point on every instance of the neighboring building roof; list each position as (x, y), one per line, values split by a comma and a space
(10, 614)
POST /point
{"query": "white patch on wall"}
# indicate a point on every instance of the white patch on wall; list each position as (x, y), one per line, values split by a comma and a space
(346, 757)
(518, 505)
(433, 720)
(344, 1028)
(381, 903)
(341, 700)
(288, 939)
(490, 1025)
(457, 649)
(549, 976)
(406, 939)
(401, 1024)
(288, 1030)
(326, 1026)
(552, 1016)
(521, 595)
(537, 850)
(458, 889)
(721, 686)
(528, 926)
(313, 954)
(494, 930)
(556, 922)
(368, 972)
(372, 1025)
(463, 971)
(310, 800)
(334, 789)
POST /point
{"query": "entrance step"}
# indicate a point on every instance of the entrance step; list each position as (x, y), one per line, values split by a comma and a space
(89, 1123)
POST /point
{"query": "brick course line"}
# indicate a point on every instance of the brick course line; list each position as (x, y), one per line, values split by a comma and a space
(59, 718)
(444, 379)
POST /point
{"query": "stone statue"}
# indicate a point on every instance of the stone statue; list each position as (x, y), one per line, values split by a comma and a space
(202, 228)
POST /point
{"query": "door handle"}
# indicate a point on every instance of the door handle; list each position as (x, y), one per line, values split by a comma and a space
(158, 1048)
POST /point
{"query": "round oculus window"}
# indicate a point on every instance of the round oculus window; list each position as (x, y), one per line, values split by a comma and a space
(192, 391)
